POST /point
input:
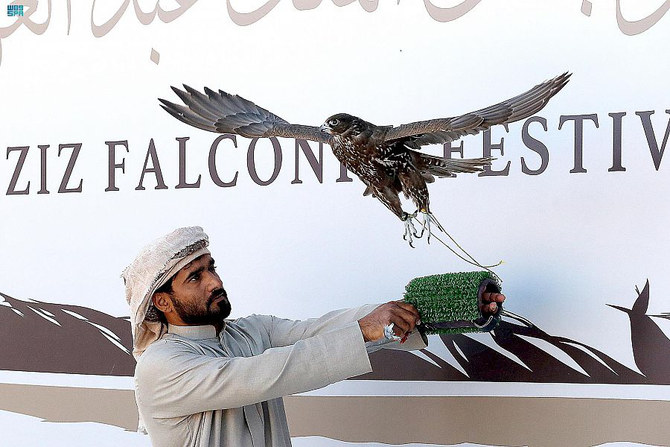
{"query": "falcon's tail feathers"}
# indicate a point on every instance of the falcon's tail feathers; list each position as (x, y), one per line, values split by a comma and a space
(447, 167)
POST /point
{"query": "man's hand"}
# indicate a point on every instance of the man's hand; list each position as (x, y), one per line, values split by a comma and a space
(489, 304)
(403, 315)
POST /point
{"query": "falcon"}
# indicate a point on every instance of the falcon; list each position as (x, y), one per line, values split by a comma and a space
(385, 158)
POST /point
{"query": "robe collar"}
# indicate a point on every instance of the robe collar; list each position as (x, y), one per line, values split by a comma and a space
(193, 332)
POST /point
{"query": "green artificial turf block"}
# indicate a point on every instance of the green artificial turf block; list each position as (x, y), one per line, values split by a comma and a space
(449, 303)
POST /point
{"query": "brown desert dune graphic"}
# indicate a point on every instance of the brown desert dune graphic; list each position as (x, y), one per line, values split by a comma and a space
(59, 338)
(46, 337)
(56, 338)
(519, 358)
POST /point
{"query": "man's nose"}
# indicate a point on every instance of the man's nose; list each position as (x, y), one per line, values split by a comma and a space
(213, 281)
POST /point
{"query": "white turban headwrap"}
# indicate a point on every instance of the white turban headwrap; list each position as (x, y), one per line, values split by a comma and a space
(153, 267)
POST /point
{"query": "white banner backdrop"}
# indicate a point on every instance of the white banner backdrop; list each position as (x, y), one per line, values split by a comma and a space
(576, 206)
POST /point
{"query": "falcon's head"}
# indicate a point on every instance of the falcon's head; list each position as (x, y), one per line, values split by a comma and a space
(343, 123)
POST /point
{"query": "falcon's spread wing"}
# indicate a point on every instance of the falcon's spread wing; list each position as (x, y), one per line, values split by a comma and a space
(225, 113)
(444, 130)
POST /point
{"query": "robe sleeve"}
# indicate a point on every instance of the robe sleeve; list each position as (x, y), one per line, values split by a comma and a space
(172, 380)
(282, 332)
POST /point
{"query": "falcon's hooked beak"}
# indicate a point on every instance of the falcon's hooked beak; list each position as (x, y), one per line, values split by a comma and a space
(326, 128)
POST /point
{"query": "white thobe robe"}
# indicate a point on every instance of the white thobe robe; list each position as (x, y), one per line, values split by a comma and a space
(196, 389)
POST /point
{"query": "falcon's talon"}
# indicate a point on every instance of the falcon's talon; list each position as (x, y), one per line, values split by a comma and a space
(428, 219)
(409, 230)
(406, 216)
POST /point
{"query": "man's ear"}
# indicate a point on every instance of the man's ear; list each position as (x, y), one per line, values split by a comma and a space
(162, 302)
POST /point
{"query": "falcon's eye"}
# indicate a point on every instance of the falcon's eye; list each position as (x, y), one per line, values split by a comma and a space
(333, 122)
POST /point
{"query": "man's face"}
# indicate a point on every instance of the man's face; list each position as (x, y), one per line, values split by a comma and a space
(197, 294)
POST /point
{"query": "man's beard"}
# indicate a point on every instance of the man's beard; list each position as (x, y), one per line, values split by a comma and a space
(213, 314)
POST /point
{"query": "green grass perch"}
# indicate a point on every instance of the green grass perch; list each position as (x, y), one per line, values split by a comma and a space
(449, 303)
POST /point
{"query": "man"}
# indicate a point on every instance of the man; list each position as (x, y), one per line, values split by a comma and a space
(202, 380)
